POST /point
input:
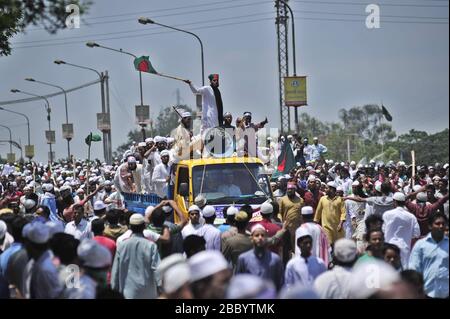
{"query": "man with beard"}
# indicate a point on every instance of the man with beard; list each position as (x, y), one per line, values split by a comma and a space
(249, 134)
(330, 213)
(212, 106)
(185, 144)
(313, 194)
(290, 206)
(128, 176)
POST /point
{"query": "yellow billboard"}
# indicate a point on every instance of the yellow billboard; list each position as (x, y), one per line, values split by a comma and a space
(295, 90)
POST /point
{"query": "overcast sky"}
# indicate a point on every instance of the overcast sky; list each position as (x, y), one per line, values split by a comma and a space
(404, 63)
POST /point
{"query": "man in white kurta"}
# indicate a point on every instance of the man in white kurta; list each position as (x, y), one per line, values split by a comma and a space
(210, 113)
(400, 227)
(161, 175)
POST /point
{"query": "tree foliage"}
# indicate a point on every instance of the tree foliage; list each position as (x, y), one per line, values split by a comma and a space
(16, 15)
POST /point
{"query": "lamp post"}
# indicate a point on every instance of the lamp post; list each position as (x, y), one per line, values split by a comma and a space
(28, 129)
(106, 135)
(96, 45)
(48, 116)
(69, 135)
(10, 137)
(144, 20)
(293, 56)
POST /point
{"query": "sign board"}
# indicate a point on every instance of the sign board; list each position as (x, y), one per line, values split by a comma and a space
(142, 114)
(11, 157)
(295, 90)
(67, 131)
(29, 151)
(103, 122)
(50, 136)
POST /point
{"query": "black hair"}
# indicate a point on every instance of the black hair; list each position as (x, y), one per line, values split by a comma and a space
(137, 228)
(413, 278)
(33, 196)
(45, 209)
(17, 225)
(390, 246)
(112, 216)
(436, 215)
(193, 244)
(98, 226)
(210, 220)
(158, 217)
(386, 188)
(100, 212)
(64, 246)
(372, 219)
(248, 209)
(370, 231)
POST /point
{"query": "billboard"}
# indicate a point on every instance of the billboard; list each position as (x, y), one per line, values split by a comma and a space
(295, 91)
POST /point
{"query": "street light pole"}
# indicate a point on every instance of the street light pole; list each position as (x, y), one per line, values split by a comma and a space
(26, 117)
(102, 91)
(144, 20)
(10, 137)
(96, 45)
(48, 115)
(65, 104)
(294, 58)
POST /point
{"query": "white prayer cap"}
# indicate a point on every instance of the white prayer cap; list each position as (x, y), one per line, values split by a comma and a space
(422, 197)
(416, 188)
(66, 187)
(258, 227)
(307, 210)
(355, 183)
(266, 208)
(301, 232)
(165, 153)
(176, 277)
(436, 177)
(99, 205)
(340, 188)
(352, 163)
(332, 184)
(445, 166)
(401, 163)
(168, 262)
(80, 191)
(194, 208)
(28, 178)
(206, 263)
(137, 219)
(94, 255)
(311, 178)
(231, 211)
(47, 187)
(186, 114)
(142, 144)
(247, 286)
(371, 276)
(3, 229)
(59, 179)
(399, 197)
(315, 138)
(159, 139)
(131, 159)
(166, 209)
(54, 228)
(36, 232)
(108, 182)
(148, 140)
(345, 250)
(208, 211)
(200, 200)
(289, 136)
(281, 178)
(309, 168)
(29, 204)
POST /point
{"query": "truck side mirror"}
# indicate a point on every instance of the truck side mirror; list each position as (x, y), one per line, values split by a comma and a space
(183, 189)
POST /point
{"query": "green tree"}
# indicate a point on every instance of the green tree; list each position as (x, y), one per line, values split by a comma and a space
(16, 15)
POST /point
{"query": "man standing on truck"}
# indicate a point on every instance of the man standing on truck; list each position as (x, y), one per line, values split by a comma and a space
(212, 106)
(185, 143)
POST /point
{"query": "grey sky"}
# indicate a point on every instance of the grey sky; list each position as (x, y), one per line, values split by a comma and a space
(405, 65)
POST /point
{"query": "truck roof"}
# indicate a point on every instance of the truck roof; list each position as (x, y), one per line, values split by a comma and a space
(226, 160)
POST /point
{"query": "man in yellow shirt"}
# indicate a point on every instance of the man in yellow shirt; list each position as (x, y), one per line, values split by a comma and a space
(290, 206)
(330, 213)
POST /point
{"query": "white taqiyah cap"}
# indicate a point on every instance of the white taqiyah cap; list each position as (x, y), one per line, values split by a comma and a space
(231, 211)
(165, 153)
(399, 197)
(36, 232)
(332, 184)
(301, 232)
(422, 197)
(208, 211)
(345, 250)
(99, 205)
(266, 208)
(307, 210)
(355, 183)
(206, 263)
(194, 208)
(94, 255)
(168, 262)
(137, 219)
(175, 277)
(258, 227)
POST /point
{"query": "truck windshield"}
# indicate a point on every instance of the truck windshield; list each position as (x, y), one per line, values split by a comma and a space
(231, 183)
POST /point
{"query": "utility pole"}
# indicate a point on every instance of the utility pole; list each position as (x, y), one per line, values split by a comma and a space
(108, 110)
(283, 65)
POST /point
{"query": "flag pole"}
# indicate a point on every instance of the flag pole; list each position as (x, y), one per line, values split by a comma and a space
(170, 77)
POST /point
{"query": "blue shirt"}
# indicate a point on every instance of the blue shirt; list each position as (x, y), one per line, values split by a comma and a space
(49, 200)
(431, 259)
(224, 227)
(4, 257)
(269, 266)
(298, 271)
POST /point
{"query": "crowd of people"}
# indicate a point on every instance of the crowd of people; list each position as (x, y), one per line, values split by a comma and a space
(65, 232)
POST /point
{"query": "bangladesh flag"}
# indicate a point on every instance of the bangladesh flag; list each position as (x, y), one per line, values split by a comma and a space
(386, 113)
(286, 160)
(92, 138)
(143, 64)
